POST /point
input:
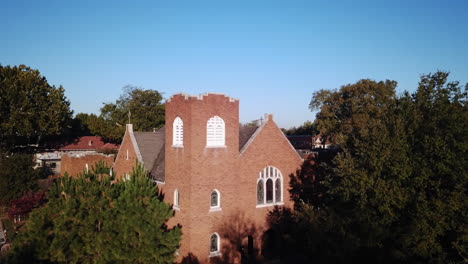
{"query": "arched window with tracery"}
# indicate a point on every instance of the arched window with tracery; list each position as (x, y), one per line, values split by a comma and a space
(269, 187)
(178, 132)
(215, 132)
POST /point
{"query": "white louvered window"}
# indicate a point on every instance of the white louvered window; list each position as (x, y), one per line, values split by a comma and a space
(178, 132)
(215, 132)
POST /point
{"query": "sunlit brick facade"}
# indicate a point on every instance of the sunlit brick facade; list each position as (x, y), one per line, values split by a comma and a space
(221, 191)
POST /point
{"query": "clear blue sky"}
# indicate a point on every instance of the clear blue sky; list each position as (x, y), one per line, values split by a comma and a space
(272, 55)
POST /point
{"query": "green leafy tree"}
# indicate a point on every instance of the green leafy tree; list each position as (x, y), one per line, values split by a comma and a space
(396, 190)
(17, 176)
(437, 131)
(95, 219)
(308, 128)
(144, 109)
(30, 107)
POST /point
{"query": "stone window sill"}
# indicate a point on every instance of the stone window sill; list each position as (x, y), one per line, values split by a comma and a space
(215, 254)
(215, 209)
(212, 147)
(269, 204)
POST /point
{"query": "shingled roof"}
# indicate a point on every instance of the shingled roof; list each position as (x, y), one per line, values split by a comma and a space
(151, 146)
(245, 133)
(152, 149)
(89, 143)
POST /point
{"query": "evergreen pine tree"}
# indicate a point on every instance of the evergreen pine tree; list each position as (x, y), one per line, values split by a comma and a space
(96, 219)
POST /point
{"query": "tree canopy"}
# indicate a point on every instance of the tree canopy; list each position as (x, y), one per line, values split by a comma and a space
(308, 128)
(96, 219)
(396, 191)
(17, 176)
(143, 108)
(29, 106)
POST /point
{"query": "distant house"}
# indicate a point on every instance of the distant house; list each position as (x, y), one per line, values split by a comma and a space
(87, 144)
(50, 158)
(321, 142)
(75, 164)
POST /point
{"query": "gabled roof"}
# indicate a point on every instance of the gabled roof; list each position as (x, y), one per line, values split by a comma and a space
(151, 147)
(89, 143)
(245, 133)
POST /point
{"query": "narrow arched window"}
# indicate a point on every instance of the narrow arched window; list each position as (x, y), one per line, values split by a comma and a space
(215, 200)
(214, 244)
(269, 191)
(176, 199)
(178, 132)
(260, 192)
(278, 188)
(215, 132)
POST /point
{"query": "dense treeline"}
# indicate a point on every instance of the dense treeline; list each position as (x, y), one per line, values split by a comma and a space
(395, 191)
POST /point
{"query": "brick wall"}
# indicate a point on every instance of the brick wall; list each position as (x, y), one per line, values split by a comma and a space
(126, 157)
(195, 171)
(73, 165)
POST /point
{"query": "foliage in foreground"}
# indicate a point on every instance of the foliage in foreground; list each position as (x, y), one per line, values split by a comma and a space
(396, 191)
(94, 219)
(17, 176)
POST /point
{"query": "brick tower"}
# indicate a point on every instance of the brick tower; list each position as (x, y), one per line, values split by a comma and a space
(196, 167)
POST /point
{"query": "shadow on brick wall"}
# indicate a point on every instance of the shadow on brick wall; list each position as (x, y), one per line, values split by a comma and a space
(238, 245)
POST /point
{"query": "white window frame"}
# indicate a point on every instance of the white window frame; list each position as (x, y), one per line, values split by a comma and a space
(178, 133)
(273, 173)
(175, 206)
(215, 132)
(218, 206)
(218, 246)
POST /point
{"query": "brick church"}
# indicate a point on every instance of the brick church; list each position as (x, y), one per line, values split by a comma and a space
(221, 178)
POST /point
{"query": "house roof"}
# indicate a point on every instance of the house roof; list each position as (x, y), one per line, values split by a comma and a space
(151, 146)
(245, 133)
(301, 141)
(89, 143)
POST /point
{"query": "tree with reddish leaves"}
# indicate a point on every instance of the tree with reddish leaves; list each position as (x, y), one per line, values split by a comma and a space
(26, 203)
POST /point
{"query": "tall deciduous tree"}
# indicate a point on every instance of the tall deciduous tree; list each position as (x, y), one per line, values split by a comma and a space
(92, 219)
(396, 191)
(29, 106)
(143, 108)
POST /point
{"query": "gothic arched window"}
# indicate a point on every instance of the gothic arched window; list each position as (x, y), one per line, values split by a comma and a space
(269, 187)
(214, 244)
(215, 200)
